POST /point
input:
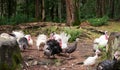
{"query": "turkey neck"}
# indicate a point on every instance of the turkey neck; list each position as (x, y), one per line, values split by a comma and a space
(75, 44)
(96, 56)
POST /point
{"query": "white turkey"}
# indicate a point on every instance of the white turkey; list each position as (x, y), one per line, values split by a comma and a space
(29, 39)
(101, 42)
(18, 34)
(7, 36)
(41, 41)
(21, 39)
(90, 61)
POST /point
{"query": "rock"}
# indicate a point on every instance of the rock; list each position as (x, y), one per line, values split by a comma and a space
(35, 63)
(113, 44)
(31, 63)
(10, 56)
(113, 47)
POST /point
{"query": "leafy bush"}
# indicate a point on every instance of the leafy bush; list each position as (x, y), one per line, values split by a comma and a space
(98, 21)
(73, 32)
(19, 18)
(3, 20)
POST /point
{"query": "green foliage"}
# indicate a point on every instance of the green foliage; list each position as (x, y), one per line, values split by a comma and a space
(19, 18)
(75, 33)
(88, 9)
(3, 20)
(14, 20)
(98, 21)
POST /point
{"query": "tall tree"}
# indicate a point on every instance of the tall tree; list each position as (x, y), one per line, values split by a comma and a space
(70, 12)
(36, 9)
(100, 8)
(59, 10)
(43, 10)
(77, 11)
(112, 9)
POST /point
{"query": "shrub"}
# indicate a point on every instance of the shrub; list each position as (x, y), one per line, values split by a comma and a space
(3, 20)
(98, 21)
(73, 32)
(19, 18)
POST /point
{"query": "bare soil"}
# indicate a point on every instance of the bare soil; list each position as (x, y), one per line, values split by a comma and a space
(60, 62)
(35, 60)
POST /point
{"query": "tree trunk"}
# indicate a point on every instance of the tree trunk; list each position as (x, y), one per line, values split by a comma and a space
(70, 12)
(112, 8)
(77, 12)
(9, 8)
(26, 8)
(37, 9)
(0, 7)
(59, 10)
(100, 9)
(43, 10)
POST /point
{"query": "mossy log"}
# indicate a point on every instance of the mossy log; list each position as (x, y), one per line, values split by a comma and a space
(113, 44)
(10, 56)
(113, 47)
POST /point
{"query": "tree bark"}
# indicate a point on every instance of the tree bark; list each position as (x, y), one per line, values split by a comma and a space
(43, 11)
(100, 9)
(112, 8)
(37, 9)
(70, 12)
(77, 11)
(59, 10)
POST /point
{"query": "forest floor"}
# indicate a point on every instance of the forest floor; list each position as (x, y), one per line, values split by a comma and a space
(35, 60)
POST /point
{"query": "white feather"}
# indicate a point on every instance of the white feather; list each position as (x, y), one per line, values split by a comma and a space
(6, 36)
(64, 38)
(18, 34)
(42, 38)
(90, 60)
(101, 41)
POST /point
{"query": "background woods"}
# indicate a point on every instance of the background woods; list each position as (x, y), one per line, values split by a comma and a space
(69, 11)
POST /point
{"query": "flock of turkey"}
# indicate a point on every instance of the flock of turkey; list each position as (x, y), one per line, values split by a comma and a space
(58, 43)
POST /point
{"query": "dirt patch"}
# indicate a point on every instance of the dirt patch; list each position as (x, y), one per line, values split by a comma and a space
(61, 62)
(35, 60)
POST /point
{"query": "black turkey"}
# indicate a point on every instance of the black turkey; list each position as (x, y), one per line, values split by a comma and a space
(71, 49)
(52, 48)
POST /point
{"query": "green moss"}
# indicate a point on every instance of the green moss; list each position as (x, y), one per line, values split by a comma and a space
(12, 60)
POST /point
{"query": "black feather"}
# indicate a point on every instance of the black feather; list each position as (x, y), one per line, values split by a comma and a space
(54, 46)
(23, 43)
(71, 49)
(108, 65)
